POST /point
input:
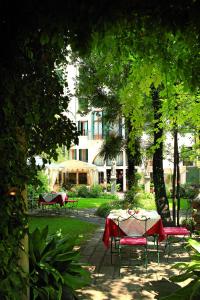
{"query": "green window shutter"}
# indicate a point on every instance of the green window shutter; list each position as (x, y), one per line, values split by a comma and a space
(75, 153)
(80, 154)
(120, 126)
(92, 129)
(79, 126)
(86, 155)
(86, 127)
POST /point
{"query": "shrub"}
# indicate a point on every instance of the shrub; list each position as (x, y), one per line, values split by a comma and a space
(188, 271)
(82, 191)
(104, 209)
(38, 185)
(55, 270)
(188, 191)
(189, 224)
(117, 187)
(95, 191)
(129, 196)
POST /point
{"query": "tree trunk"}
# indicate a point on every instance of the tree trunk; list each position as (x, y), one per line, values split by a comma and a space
(132, 159)
(162, 203)
(174, 180)
(178, 189)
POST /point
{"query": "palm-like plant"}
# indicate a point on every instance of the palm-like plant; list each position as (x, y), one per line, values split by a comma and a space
(112, 146)
(55, 269)
(190, 270)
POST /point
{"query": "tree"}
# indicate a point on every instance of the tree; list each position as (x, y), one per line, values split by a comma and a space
(34, 37)
(128, 60)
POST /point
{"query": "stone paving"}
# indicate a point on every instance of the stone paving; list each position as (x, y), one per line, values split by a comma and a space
(130, 280)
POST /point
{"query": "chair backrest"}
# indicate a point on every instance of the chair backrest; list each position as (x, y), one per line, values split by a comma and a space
(133, 225)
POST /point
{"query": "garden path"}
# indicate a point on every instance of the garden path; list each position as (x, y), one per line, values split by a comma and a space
(133, 282)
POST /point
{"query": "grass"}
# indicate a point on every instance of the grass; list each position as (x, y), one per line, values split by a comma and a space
(183, 203)
(91, 202)
(80, 230)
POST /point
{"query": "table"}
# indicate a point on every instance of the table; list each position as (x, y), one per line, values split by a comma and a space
(154, 225)
(53, 198)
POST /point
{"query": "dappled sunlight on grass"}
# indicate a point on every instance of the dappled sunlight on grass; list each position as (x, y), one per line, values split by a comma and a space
(80, 230)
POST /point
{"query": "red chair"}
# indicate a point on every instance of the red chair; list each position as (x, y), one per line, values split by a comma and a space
(133, 240)
(171, 232)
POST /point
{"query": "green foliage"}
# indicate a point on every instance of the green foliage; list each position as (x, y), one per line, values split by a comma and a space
(12, 220)
(82, 191)
(107, 150)
(95, 191)
(55, 269)
(189, 223)
(104, 209)
(188, 191)
(117, 186)
(190, 271)
(38, 186)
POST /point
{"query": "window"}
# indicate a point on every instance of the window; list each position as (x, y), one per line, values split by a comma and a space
(73, 154)
(119, 159)
(101, 177)
(83, 155)
(97, 125)
(98, 161)
(83, 127)
(72, 178)
(60, 178)
(82, 178)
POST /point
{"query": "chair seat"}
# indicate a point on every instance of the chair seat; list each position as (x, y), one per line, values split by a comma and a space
(176, 231)
(140, 241)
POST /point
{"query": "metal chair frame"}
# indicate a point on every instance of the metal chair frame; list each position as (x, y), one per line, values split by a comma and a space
(117, 239)
(171, 236)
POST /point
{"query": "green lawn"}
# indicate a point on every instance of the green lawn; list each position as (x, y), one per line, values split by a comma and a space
(80, 230)
(183, 202)
(91, 202)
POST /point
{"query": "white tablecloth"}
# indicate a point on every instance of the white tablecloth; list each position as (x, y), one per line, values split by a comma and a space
(133, 226)
(48, 197)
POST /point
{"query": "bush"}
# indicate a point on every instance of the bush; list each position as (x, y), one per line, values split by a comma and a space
(189, 224)
(55, 270)
(95, 191)
(188, 271)
(188, 191)
(130, 195)
(39, 185)
(83, 191)
(104, 209)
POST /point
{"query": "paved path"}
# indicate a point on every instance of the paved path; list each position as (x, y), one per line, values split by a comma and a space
(130, 281)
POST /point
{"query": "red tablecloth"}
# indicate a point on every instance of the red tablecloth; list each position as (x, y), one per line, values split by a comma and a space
(111, 229)
(57, 198)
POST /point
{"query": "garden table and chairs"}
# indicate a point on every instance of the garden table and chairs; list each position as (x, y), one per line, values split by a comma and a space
(136, 223)
(60, 198)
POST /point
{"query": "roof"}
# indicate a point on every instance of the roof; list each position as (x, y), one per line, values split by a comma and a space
(72, 166)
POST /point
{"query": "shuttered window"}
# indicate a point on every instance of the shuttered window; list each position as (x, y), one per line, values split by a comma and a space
(73, 154)
(83, 127)
(83, 155)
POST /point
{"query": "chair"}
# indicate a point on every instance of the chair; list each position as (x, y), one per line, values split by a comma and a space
(174, 232)
(138, 239)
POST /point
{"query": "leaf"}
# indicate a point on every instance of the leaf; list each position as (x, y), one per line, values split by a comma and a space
(195, 244)
(44, 39)
(182, 293)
